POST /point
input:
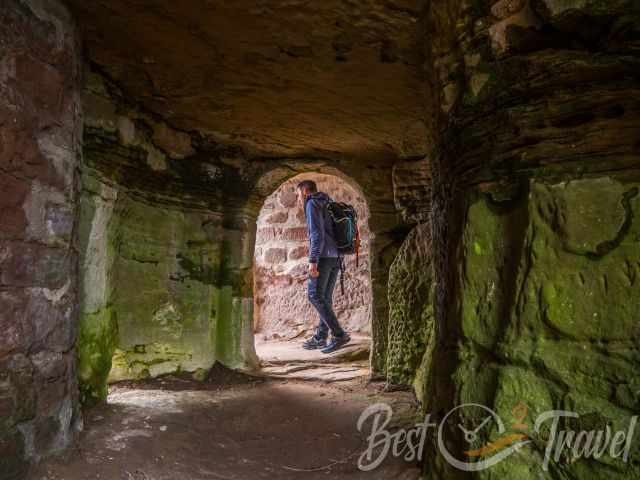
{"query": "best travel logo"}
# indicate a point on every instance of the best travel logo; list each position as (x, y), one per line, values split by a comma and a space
(481, 455)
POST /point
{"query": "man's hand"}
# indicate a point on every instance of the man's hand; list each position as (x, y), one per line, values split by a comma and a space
(313, 270)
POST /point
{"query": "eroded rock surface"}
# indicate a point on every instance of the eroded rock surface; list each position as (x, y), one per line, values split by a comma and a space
(168, 229)
(539, 120)
(40, 135)
(282, 77)
(411, 327)
(549, 310)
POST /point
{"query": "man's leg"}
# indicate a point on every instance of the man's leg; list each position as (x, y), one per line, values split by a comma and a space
(332, 319)
(316, 290)
(340, 337)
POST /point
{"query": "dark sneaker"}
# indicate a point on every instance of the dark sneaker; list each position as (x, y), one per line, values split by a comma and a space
(336, 343)
(314, 342)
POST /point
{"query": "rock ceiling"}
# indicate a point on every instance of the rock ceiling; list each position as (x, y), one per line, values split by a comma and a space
(280, 76)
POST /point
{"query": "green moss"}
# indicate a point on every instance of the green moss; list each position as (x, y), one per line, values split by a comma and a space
(156, 359)
(226, 334)
(200, 375)
(97, 339)
(97, 328)
(548, 326)
(411, 323)
(491, 238)
(165, 274)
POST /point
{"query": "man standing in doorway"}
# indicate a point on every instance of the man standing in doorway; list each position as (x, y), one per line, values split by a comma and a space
(324, 266)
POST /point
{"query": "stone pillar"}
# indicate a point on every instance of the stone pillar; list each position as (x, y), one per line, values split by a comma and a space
(234, 302)
(40, 133)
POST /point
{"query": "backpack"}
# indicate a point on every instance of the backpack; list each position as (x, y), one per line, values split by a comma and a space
(345, 232)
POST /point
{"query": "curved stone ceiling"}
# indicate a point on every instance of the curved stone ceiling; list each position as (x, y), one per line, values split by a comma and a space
(280, 76)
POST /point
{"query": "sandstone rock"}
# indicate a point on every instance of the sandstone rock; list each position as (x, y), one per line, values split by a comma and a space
(411, 309)
(12, 217)
(18, 382)
(288, 198)
(13, 455)
(296, 234)
(412, 189)
(545, 294)
(278, 217)
(39, 152)
(319, 56)
(415, 143)
(555, 9)
(275, 255)
(268, 233)
(505, 8)
(296, 253)
(176, 144)
(525, 18)
(17, 331)
(200, 375)
(33, 265)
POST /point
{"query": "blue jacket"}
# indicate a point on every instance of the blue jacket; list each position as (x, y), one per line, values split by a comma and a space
(321, 241)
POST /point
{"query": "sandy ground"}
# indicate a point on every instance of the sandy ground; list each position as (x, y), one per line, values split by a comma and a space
(231, 427)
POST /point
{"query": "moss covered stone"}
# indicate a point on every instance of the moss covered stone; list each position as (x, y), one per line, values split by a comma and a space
(96, 342)
(157, 296)
(161, 304)
(550, 313)
(411, 310)
(98, 328)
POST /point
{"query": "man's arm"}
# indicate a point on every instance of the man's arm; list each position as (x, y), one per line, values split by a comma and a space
(315, 220)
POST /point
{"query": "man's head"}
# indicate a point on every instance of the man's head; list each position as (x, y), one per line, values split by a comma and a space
(306, 188)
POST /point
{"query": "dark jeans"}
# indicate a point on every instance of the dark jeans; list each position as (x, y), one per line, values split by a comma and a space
(320, 291)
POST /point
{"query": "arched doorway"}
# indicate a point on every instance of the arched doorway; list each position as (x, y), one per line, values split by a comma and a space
(283, 316)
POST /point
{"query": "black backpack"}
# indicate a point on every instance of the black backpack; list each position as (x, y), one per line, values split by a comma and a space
(345, 232)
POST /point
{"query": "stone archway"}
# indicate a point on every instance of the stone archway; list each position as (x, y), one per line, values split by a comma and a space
(387, 231)
(281, 308)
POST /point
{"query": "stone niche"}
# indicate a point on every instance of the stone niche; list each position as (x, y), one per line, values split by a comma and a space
(282, 310)
(165, 280)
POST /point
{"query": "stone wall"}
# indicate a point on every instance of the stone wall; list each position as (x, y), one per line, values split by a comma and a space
(282, 309)
(167, 234)
(534, 167)
(165, 279)
(549, 311)
(40, 134)
(411, 321)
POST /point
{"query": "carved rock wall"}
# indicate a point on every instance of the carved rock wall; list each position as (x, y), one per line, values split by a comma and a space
(537, 122)
(164, 285)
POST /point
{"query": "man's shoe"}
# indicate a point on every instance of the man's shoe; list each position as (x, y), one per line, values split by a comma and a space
(336, 343)
(314, 343)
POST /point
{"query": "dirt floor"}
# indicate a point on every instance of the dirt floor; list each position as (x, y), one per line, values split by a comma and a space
(232, 426)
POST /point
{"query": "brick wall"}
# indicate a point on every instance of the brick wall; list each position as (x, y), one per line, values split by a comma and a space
(281, 306)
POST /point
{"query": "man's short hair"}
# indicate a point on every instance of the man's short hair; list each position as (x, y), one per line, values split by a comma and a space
(308, 185)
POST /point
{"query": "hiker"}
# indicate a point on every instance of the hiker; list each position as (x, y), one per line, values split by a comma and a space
(324, 266)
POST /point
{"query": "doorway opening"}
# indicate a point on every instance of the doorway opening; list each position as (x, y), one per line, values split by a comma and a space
(283, 316)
